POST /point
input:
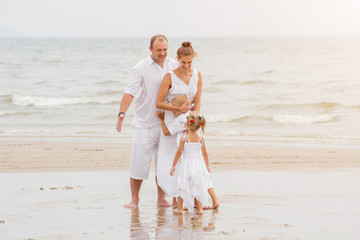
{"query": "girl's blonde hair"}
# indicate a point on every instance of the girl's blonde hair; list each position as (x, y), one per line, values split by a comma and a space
(194, 122)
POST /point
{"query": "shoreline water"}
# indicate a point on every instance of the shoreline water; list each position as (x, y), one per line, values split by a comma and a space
(297, 90)
(232, 140)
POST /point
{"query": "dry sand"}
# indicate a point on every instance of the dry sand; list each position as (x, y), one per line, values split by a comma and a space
(76, 155)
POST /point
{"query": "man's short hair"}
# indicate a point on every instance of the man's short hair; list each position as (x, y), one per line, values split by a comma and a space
(154, 38)
(180, 100)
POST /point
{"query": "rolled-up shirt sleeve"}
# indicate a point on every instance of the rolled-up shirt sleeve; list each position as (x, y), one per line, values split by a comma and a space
(135, 84)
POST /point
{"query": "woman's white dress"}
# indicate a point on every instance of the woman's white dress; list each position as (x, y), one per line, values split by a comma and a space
(167, 145)
(192, 175)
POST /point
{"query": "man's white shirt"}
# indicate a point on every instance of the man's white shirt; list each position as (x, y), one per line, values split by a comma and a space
(145, 80)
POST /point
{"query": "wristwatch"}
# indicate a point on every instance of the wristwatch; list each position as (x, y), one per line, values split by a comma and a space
(120, 113)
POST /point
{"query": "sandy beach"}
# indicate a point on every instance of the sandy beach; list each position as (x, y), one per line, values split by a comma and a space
(76, 189)
(282, 116)
(21, 154)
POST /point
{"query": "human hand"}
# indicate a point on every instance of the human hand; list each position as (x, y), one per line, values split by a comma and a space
(184, 108)
(160, 114)
(208, 168)
(119, 122)
(172, 171)
(192, 106)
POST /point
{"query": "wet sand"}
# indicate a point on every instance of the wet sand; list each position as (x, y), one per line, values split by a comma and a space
(256, 205)
(72, 189)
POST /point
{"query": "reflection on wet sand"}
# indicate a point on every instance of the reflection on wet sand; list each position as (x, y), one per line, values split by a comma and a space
(183, 226)
(173, 226)
(137, 232)
(261, 205)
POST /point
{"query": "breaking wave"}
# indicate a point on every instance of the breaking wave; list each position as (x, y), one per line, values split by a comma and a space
(297, 119)
(23, 100)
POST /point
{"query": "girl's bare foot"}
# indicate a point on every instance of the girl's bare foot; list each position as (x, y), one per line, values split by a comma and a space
(178, 211)
(207, 208)
(200, 207)
(174, 203)
(216, 205)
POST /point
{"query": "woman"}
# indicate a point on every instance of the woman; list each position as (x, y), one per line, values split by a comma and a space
(183, 80)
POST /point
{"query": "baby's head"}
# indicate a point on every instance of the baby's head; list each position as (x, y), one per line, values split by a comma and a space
(179, 100)
(194, 122)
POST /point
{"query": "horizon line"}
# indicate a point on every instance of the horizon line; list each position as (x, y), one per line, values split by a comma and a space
(119, 37)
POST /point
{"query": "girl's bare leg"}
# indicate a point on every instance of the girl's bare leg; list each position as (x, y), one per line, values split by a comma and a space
(199, 207)
(214, 199)
(179, 205)
(174, 203)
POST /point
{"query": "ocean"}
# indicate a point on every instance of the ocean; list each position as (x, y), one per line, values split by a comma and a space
(260, 90)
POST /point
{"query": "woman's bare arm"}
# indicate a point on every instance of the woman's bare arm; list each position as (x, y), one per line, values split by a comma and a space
(163, 91)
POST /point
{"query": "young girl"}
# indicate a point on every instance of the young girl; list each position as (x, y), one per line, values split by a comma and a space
(193, 169)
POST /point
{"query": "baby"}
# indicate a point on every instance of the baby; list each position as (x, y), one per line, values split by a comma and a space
(178, 125)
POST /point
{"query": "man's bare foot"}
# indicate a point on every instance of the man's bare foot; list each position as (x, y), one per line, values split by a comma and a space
(163, 203)
(207, 208)
(132, 204)
(178, 211)
(216, 205)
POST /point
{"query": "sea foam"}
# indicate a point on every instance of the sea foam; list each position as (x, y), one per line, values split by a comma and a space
(23, 100)
(307, 119)
(252, 118)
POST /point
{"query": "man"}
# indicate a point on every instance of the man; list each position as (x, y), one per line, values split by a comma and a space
(144, 85)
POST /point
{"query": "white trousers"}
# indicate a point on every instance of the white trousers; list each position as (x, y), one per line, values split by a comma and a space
(145, 145)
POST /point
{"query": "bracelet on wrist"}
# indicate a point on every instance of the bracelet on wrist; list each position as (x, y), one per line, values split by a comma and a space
(121, 113)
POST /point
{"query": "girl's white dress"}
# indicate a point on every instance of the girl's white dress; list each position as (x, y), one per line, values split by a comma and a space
(192, 176)
(168, 144)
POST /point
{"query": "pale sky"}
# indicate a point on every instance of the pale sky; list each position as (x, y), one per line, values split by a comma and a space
(143, 18)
